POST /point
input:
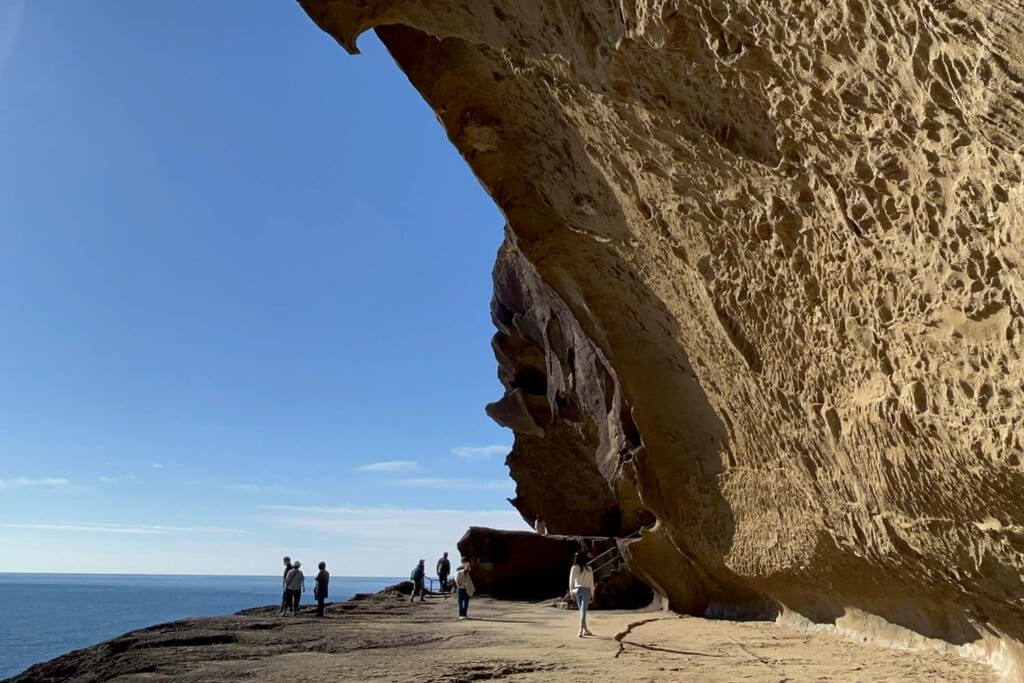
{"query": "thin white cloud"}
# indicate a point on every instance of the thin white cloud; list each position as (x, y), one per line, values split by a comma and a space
(26, 482)
(11, 16)
(463, 484)
(256, 488)
(122, 528)
(480, 452)
(131, 476)
(417, 531)
(157, 466)
(389, 466)
(107, 480)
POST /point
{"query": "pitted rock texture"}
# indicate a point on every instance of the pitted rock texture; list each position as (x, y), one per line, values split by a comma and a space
(793, 232)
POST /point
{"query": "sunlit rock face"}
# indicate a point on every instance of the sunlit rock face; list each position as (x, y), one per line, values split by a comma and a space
(791, 234)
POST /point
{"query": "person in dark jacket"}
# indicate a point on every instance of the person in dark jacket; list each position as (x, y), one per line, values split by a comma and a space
(444, 568)
(417, 575)
(284, 588)
(320, 588)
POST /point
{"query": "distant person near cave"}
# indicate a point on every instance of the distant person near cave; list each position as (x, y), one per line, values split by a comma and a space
(323, 577)
(284, 583)
(540, 527)
(464, 587)
(444, 568)
(417, 575)
(581, 585)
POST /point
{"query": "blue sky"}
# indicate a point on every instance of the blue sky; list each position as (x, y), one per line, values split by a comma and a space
(244, 286)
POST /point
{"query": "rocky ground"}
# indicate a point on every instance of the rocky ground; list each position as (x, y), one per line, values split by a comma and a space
(385, 638)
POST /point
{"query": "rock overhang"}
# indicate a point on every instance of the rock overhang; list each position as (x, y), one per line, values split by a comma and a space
(792, 236)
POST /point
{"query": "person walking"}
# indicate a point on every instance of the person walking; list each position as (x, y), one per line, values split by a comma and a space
(444, 568)
(464, 587)
(320, 588)
(417, 575)
(581, 585)
(294, 584)
(284, 583)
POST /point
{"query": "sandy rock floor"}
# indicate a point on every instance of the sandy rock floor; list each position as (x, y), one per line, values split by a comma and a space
(391, 640)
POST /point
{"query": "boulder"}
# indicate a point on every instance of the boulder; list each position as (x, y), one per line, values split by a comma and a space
(521, 565)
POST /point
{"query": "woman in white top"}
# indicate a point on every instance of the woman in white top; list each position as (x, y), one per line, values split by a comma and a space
(465, 588)
(581, 585)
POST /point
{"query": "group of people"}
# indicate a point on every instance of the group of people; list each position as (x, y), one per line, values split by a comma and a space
(294, 584)
(463, 582)
(581, 585)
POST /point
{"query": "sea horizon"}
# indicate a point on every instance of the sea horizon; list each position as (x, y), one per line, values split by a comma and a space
(254, 576)
(52, 613)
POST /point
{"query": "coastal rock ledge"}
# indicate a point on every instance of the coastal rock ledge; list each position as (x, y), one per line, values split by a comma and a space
(761, 295)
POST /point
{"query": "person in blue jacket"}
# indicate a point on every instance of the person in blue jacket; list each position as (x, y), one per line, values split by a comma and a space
(417, 575)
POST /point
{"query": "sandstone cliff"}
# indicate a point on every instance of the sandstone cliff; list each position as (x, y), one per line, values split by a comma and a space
(761, 292)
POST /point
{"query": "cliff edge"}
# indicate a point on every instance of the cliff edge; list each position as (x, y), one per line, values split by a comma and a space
(760, 296)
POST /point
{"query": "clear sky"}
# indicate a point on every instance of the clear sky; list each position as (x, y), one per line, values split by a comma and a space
(244, 286)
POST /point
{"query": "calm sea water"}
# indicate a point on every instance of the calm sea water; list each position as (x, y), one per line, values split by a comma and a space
(45, 615)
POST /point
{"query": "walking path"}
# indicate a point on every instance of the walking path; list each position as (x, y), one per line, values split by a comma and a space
(388, 639)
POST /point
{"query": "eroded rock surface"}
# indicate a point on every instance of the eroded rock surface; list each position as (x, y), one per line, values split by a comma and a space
(791, 233)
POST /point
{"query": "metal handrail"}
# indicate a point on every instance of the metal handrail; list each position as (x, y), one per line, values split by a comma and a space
(613, 549)
(431, 580)
(613, 560)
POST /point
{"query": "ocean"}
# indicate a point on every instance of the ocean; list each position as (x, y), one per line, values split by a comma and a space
(45, 615)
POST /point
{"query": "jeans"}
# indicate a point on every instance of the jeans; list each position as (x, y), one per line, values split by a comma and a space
(320, 605)
(417, 587)
(583, 598)
(443, 580)
(463, 602)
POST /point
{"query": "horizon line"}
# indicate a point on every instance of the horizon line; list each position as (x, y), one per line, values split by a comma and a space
(254, 576)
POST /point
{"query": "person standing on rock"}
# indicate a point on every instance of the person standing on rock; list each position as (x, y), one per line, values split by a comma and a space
(320, 588)
(464, 587)
(284, 583)
(444, 568)
(581, 585)
(540, 527)
(417, 575)
(294, 584)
